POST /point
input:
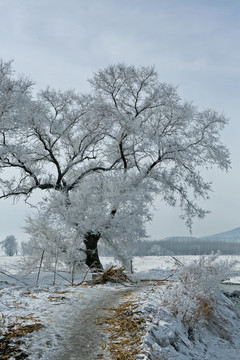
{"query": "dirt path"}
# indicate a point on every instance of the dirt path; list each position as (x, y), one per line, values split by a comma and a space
(83, 336)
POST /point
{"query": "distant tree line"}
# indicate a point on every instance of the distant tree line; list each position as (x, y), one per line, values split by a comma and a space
(197, 246)
(180, 246)
(170, 246)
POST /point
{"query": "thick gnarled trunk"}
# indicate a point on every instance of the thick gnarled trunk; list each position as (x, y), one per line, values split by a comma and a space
(92, 259)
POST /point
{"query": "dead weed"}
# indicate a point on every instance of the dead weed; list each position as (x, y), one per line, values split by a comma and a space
(11, 333)
(126, 329)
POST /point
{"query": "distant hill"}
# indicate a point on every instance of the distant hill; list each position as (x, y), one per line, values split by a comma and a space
(229, 236)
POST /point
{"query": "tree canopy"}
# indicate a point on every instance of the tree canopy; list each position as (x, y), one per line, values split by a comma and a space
(102, 157)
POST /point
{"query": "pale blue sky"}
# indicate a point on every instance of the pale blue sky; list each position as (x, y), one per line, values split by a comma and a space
(193, 44)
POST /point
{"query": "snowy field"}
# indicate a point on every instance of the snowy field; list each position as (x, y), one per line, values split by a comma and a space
(187, 317)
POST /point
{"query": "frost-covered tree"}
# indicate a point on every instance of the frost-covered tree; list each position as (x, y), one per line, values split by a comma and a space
(51, 243)
(132, 132)
(88, 211)
(10, 245)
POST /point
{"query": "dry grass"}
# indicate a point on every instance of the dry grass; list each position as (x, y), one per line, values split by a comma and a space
(11, 333)
(126, 329)
(205, 309)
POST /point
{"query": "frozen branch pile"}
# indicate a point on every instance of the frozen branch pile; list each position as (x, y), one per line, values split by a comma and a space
(114, 274)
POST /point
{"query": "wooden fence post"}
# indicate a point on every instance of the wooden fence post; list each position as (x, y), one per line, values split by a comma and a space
(40, 266)
(131, 266)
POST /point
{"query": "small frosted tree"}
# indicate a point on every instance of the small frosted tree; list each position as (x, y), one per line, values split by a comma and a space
(10, 245)
(90, 207)
(130, 127)
(50, 235)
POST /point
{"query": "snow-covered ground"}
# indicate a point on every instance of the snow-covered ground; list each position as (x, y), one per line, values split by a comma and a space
(187, 317)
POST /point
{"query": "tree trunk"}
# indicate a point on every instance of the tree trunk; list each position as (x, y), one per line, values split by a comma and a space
(92, 259)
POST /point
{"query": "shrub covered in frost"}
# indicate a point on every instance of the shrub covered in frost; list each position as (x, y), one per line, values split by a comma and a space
(196, 296)
(192, 317)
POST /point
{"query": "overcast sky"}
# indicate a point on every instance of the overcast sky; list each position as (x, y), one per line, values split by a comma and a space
(194, 44)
